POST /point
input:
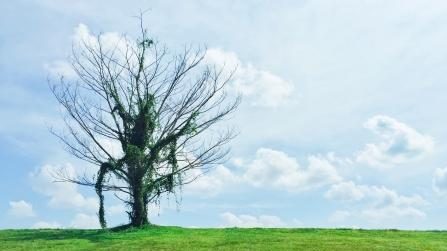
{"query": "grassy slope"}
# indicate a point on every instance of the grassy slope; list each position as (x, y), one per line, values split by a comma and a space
(175, 238)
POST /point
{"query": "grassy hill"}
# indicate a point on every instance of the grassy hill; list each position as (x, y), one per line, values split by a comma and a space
(176, 238)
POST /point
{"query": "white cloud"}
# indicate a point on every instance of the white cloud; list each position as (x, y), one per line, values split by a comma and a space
(345, 191)
(85, 221)
(60, 68)
(110, 42)
(400, 143)
(61, 194)
(245, 220)
(262, 88)
(276, 169)
(270, 169)
(21, 209)
(44, 224)
(211, 183)
(439, 181)
(82, 38)
(379, 203)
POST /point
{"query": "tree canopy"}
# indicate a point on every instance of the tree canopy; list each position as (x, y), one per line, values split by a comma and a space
(158, 108)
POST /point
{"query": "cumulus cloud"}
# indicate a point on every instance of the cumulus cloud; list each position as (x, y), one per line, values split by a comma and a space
(245, 220)
(260, 87)
(60, 68)
(85, 221)
(61, 194)
(44, 224)
(21, 209)
(345, 191)
(211, 183)
(440, 180)
(109, 40)
(381, 203)
(400, 143)
(276, 169)
(82, 38)
(269, 169)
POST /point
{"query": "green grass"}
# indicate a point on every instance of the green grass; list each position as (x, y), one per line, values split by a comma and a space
(176, 238)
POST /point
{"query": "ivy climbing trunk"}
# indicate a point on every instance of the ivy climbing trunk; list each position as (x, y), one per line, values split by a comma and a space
(138, 215)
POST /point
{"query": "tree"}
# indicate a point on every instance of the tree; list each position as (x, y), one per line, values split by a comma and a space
(160, 109)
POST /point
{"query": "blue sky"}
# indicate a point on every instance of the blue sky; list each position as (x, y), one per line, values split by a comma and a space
(341, 124)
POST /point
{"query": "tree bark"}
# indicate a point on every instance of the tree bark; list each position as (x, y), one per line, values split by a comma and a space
(139, 206)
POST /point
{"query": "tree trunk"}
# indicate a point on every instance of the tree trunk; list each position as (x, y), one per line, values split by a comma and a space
(139, 207)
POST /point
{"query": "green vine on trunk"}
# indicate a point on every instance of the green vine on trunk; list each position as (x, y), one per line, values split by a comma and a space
(104, 168)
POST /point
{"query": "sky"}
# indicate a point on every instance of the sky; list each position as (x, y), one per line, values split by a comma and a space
(341, 123)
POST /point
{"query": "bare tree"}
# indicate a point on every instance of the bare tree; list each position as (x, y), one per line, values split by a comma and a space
(159, 108)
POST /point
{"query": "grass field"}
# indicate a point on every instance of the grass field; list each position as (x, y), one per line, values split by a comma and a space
(176, 238)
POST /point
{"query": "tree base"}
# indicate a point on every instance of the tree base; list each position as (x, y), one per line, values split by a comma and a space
(129, 226)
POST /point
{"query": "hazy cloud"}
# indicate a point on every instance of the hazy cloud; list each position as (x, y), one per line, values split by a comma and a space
(85, 221)
(44, 224)
(245, 220)
(261, 88)
(21, 209)
(400, 143)
(377, 204)
(61, 194)
(276, 169)
(211, 183)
